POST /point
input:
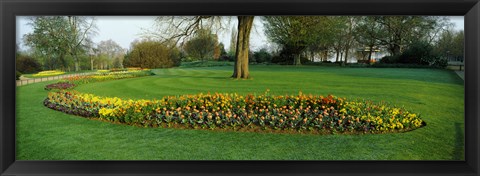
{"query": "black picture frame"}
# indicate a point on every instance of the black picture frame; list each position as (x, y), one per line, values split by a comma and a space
(9, 9)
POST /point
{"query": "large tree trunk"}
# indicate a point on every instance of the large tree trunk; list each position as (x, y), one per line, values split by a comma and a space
(241, 54)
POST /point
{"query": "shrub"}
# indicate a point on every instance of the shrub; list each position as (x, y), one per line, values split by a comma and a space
(419, 53)
(18, 75)
(26, 64)
(389, 59)
(231, 111)
(152, 54)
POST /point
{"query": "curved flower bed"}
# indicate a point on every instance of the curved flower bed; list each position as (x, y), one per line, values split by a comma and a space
(101, 75)
(300, 113)
(48, 73)
(60, 85)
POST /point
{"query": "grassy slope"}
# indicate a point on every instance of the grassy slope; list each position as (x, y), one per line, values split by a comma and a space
(44, 134)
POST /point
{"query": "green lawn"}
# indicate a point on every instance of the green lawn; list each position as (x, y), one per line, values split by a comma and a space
(437, 95)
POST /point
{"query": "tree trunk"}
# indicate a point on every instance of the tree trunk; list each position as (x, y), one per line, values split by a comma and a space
(77, 64)
(370, 54)
(297, 59)
(240, 69)
(91, 62)
(346, 54)
(337, 55)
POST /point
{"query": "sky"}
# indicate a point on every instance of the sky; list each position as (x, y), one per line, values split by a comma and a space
(125, 29)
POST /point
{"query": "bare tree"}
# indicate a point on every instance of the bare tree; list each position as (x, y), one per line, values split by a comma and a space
(179, 28)
(79, 29)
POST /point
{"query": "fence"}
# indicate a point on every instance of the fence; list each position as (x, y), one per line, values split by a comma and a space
(36, 80)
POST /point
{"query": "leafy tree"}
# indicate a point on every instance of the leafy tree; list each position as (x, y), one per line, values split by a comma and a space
(221, 46)
(450, 44)
(49, 39)
(262, 56)
(366, 34)
(398, 32)
(152, 54)
(233, 41)
(203, 45)
(296, 33)
(55, 37)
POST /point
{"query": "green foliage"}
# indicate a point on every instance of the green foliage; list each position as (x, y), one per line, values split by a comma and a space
(152, 54)
(262, 56)
(17, 75)
(56, 37)
(297, 33)
(419, 53)
(27, 64)
(450, 45)
(203, 46)
(286, 57)
(390, 59)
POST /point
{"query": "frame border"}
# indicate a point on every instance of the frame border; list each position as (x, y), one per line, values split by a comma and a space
(9, 9)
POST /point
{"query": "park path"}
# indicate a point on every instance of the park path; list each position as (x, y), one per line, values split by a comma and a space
(25, 81)
(461, 74)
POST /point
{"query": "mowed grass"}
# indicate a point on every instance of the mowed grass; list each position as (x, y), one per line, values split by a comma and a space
(437, 95)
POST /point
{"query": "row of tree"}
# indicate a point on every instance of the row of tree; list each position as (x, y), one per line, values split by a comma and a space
(64, 42)
(342, 36)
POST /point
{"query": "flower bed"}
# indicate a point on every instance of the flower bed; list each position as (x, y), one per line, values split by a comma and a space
(60, 85)
(300, 113)
(105, 76)
(48, 73)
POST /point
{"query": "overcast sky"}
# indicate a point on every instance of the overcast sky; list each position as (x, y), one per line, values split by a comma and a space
(124, 30)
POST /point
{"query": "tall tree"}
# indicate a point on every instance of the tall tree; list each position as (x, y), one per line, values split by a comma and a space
(79, 29)
(178, 28)
(49, 40)
(349, 35)
(398, 32)
(113, 52)
(450, 44)
(58, 36)
(296, 33)
(242, 48)
(233, 41)
(366, 34)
